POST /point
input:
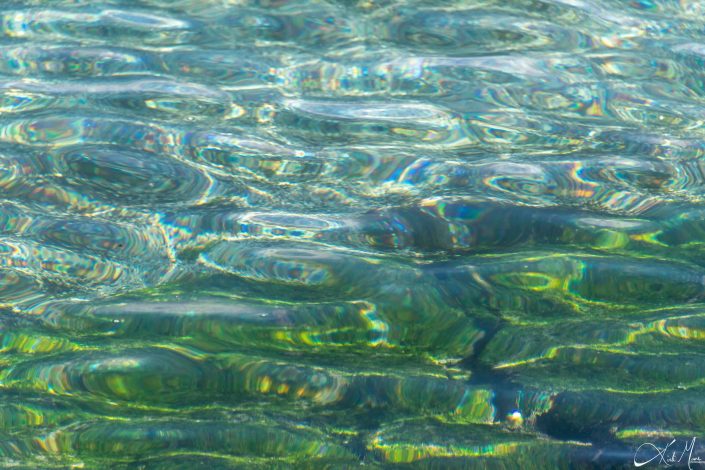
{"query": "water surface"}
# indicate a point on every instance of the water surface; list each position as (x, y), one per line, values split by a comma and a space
(272, 234)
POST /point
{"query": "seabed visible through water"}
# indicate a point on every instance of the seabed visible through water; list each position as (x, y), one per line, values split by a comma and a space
(326, 234)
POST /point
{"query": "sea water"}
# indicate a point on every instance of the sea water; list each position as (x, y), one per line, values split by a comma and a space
(325, 234)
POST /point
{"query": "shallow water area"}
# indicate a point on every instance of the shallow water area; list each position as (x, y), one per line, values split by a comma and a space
(335, 233)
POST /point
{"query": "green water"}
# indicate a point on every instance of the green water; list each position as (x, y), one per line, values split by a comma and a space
(328, 234)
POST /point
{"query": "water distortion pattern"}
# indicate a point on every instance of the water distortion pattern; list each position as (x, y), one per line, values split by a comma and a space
(322, 234)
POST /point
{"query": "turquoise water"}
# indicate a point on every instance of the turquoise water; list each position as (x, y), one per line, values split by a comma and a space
(325, 234)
